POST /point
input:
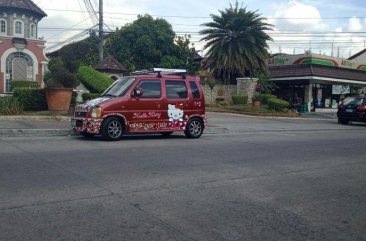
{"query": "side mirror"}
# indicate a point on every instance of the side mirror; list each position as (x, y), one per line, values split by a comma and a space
(137, 92)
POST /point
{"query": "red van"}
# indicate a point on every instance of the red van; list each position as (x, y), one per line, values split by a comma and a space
(157, 101)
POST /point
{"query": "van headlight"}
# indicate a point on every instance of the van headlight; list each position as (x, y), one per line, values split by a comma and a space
(96, 112)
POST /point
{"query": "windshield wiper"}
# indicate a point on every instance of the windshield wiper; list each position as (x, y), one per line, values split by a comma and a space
(109, 95)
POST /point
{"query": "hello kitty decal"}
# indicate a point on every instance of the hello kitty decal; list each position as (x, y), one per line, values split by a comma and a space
(175, 113)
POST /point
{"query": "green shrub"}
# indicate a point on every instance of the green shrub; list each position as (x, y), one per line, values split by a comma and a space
(95, 81)
(10, 105)
(277, 104)
(266, 97)
(59, 76)
(239, 99)
(31, 99)
(89, 96)
(24, 84)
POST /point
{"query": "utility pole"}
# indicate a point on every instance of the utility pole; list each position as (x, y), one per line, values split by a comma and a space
(100, 47)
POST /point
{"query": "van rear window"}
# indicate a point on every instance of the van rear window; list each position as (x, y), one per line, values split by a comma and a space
(176, 89)
(195, 90)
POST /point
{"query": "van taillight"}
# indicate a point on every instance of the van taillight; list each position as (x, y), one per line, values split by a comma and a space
(361, 107)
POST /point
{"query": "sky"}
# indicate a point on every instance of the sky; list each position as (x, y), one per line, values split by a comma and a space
(331, 27)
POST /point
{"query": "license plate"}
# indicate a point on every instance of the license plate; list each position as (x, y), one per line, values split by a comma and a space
(349, 110)
(73, 123)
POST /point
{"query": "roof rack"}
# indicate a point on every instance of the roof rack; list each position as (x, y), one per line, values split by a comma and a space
(160, 71)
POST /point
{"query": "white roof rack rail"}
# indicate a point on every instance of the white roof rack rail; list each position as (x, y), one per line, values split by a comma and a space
(173, 71)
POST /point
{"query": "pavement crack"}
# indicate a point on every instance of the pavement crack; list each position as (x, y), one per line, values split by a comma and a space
(53, 202)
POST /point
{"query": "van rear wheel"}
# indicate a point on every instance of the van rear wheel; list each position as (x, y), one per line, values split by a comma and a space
(112, 129)
(194, 128)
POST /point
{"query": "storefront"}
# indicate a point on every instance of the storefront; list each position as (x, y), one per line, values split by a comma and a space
(314, 82)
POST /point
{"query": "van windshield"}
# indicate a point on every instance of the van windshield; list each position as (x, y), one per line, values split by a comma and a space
(119, 87)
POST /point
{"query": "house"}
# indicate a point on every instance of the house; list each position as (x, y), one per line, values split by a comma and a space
(317, 81)
(111, 67)
(21, 50)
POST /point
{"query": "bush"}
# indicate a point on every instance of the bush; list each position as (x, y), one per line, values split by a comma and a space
(266, 97)
(277, 104)
(9, 105)
(31, 99)
(95, 81)
(89, 96)
(59, 76)
(239, 99)
(24, 84)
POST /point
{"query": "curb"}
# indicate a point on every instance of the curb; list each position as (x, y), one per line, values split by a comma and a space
(34, 118)
(35, 132)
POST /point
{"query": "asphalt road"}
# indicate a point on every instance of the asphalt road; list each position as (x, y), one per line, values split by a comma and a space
(260, 179)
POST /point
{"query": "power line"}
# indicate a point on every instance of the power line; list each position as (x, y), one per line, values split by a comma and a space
(203, 17)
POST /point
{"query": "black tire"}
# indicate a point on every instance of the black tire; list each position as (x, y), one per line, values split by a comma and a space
(343, 121)
(167, 133)
(112, 129)
(194, 128)
(87, 135)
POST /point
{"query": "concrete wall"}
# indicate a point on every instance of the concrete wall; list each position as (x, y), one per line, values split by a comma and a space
(247, 86)
(219, 93)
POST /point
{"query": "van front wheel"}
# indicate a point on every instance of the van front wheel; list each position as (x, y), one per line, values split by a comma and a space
(112, 129)
(194, 128)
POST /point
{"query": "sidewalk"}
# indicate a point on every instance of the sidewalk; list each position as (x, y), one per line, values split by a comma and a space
(19, 126)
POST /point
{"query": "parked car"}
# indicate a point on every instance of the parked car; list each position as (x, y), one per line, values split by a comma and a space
(352, 109)
(157, 101)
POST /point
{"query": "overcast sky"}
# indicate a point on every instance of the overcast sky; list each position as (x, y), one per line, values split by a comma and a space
(298, 25)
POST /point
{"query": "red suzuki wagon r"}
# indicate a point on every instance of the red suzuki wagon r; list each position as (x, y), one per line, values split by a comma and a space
(157, 101)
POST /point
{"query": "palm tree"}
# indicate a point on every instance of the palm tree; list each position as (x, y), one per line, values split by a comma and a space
(235, 43)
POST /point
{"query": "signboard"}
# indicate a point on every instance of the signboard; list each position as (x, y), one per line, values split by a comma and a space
(286, 59)
(340, 89)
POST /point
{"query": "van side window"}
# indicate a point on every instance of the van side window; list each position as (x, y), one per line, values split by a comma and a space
(150, 88)
(176, 89)
(195, 91)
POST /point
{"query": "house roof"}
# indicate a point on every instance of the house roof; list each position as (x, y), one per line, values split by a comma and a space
(302, 70)
(110, 64)
(357, 54)
(26, 5)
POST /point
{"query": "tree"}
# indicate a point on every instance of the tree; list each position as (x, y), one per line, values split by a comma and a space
(84, 52)
(235, 43)
(148, 43)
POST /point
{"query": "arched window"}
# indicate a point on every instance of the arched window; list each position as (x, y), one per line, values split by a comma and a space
(18, 28)
(2, 27)
(19, 66)
(32, 31)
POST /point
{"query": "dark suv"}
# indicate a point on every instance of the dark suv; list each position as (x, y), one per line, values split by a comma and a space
(352, 109)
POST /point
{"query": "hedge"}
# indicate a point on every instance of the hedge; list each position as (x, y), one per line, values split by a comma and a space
(95, 81)
(266, 97)
(277, 104)
(9, 105)
(89, 96)
(239, 99)
(24, 84)
(31, 99)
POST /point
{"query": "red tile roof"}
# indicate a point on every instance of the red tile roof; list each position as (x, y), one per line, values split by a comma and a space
(27, 5)
(301, 70)
(110, 64)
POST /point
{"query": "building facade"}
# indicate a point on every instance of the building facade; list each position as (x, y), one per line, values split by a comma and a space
(21, 50)
(316, 82)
